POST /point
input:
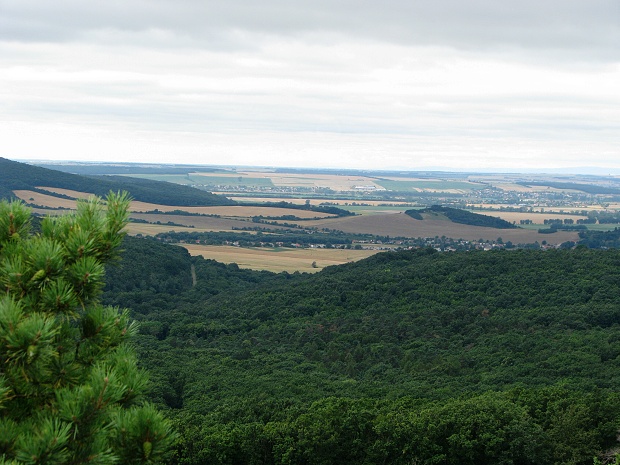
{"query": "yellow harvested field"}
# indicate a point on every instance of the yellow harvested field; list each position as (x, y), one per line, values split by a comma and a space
(279, 259)
(230, 211)
(44, 200)
(67, 192)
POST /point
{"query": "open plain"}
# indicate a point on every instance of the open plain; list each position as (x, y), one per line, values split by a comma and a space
(378, 202)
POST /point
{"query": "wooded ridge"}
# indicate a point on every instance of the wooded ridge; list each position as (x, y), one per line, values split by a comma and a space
(412, 355)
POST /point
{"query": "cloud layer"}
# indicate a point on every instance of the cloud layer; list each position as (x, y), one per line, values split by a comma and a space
(364, 84)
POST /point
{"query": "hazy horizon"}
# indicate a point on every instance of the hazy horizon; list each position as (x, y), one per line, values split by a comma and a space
(583, 170)
(398, 85)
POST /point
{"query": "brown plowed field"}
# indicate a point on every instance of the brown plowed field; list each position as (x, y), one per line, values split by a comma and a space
(399, 224)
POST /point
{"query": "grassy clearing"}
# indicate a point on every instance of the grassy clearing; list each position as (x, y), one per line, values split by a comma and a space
(279, 259)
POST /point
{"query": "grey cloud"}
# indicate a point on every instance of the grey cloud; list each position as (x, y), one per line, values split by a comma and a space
(589, 28)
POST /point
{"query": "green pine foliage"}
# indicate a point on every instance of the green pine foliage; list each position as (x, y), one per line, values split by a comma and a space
(70, 386)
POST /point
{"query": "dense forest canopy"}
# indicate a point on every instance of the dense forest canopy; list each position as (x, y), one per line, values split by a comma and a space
(384, 359)
(600, 239)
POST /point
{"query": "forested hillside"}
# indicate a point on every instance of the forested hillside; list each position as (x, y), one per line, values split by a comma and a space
(15, 175)
(406, 357)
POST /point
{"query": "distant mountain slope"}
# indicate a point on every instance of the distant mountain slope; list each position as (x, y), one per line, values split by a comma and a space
(15, 175)
(88, 169)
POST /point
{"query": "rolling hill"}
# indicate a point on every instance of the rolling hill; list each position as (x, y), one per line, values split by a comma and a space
(22, 176)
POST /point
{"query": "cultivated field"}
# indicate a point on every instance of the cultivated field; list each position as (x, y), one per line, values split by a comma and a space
(338, 182)
(401, 225)
(153, 229)
(279, 259)
(67, 192)
(312, 181)
(198, 223)
(50, 201)
(231, 211)
(44, 200)
(382, 223)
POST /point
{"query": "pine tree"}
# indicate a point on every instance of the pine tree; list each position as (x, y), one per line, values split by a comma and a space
(69, 381)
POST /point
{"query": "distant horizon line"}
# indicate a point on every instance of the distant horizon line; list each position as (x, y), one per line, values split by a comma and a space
(577, 170)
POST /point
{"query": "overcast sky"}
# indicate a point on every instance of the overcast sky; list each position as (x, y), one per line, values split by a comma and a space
(394, 84)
